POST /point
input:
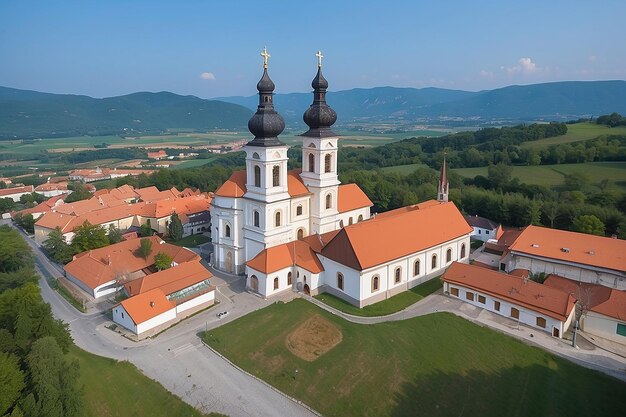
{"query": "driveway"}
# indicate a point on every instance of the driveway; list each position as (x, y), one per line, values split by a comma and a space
(177, 359)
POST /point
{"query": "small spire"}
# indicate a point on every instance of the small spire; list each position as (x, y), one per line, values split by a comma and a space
(442, 190)
(265, 56)
(319, 58)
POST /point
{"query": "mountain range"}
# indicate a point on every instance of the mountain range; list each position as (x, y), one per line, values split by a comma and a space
(28, 114)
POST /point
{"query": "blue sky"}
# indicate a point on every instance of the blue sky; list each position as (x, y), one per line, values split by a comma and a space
(106, 48)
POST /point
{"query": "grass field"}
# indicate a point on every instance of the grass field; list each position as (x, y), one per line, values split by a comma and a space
(436, 365)
(404, 169)
(118, 389)
(553, 175)
(578, 132)
(191, 241)
(389, 306)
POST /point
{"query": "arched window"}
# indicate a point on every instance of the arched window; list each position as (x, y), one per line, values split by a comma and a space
(463, 251)
(327, 163)
(448, 255)
(227, 231)
(289, 278)
(256, 218)
(350, 221)
(397, 275)
(255, 156)
(375, 283)
(329, 201)
(416, 268)
(433, 263)
(276, 176)
(360, 219)
(276, 283)
(340, 223)
(257, 176)
(340, 280)
(311, 162)
(299, 210)
(277, 219)
(300, 233)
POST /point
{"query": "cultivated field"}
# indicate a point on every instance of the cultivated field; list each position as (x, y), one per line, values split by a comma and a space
(578, 132)
(436, 365)
(554, 175)
(404, 169)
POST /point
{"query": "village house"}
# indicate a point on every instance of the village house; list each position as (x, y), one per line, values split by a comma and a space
(16, 192)
(483, 229)
(539, 306)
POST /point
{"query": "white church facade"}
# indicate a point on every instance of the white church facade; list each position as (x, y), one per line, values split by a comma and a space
(302, 230)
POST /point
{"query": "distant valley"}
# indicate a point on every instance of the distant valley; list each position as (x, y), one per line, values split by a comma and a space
(31, 114)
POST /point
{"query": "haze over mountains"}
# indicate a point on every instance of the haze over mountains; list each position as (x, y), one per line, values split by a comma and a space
(28, 114)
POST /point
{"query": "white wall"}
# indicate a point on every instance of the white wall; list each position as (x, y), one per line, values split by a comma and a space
(483, 234)
(354, 215)
(208, 298)
(156, 321)
(602, 326)
(121, 317)
(526, 315)
(574, 272)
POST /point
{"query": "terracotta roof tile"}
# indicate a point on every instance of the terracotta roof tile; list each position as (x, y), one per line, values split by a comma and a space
(235, 185)
(580, 248)
(16, 190)
(541, 298)
(279, 257)
(148, 305)
(351, 197)
(170, 280)
(385, 238)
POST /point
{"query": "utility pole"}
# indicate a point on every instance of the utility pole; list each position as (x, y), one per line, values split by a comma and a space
(575, 329)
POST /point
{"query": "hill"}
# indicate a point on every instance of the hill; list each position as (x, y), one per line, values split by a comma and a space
(29, 114)
(551, 101)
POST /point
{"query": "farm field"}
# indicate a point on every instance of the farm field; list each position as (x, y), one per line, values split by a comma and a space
(553, 175)
(118, 389)
(435, 365)
(577, 132)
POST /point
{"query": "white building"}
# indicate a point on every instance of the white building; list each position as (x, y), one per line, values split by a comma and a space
(528, 302)
(304, 231)
(576, 256)
(484, 229)
(16, 192)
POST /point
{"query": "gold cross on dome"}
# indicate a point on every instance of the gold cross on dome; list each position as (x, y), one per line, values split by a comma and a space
(265, 56)
(319, 58)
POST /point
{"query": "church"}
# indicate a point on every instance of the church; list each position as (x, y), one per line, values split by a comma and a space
(302, 230)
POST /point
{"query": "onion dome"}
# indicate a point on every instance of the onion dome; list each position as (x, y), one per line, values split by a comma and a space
(319, 116)
(266, 124)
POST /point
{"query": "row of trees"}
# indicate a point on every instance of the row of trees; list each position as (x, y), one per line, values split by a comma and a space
(612, 120)
(37, 379)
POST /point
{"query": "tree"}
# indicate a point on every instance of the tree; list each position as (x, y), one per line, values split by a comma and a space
(11, 381)
(14, 251)
(499, 175)
(79, 192)
(54, 389)
(88, 236)
(588, 224)
(57, 247)
(575, 181)
(175, 228)
(145, 248)
(27, 222)
(145, 230)
(3, 185)
(114, 235)
(162, 261)
(6, 205)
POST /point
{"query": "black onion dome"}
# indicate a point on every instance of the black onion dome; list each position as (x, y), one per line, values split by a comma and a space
(266, 124)
(319, 116)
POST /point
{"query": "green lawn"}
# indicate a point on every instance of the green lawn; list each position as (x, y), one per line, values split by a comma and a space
(191, 241)
(576, 133)
(389, 306)
(436, 365)
(553, 175)
(118, 389)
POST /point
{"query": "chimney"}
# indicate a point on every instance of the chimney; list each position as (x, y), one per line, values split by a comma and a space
(151, 303)
(109, 260)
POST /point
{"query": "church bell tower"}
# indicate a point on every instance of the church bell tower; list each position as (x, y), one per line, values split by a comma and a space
(319, 157)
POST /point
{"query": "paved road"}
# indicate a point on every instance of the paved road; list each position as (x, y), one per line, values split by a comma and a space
(177, 359)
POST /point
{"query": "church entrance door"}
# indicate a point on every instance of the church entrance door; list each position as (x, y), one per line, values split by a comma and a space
(307, 291)
(254, 283)
(228, 265)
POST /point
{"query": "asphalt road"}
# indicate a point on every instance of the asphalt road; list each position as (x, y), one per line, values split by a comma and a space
(177, 358)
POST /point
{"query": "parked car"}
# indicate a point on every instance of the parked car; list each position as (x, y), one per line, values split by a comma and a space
(222, 314)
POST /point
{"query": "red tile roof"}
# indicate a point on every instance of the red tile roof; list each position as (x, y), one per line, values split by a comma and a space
(170, 280)
(100, 266)
(288, 254)
(580, 248)
(148, 305)
(540, 298)
(16, 190)
(385, 238)
(235, 186)
(351, 197)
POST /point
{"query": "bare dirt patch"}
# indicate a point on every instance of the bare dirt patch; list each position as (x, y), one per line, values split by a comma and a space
(313, 338)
